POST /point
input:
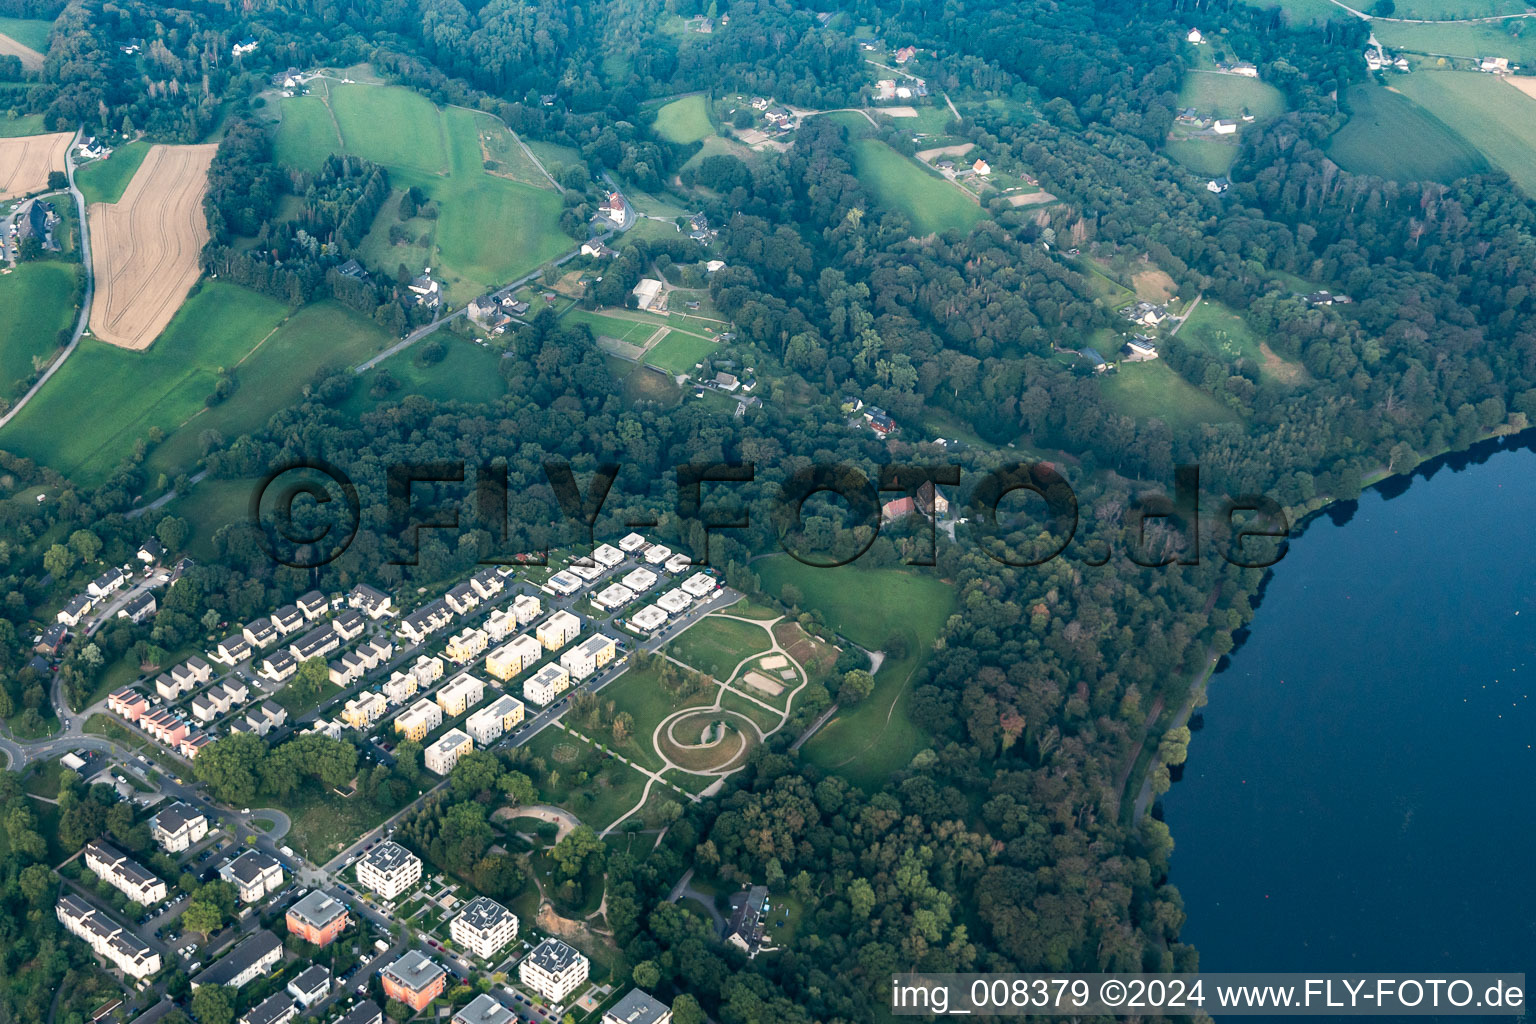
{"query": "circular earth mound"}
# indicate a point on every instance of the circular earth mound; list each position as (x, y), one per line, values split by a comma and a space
(709, 740)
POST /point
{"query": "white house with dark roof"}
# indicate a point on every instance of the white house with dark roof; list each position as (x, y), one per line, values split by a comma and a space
(255, 874)
(177, 826)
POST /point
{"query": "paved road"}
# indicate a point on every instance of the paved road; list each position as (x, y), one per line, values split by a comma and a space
(90, 283)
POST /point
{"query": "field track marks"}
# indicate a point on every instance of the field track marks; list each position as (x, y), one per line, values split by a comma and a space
(30, 58)
(26, 160)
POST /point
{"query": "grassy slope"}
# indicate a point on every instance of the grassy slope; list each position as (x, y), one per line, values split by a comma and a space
(103, 181)
(1372, 140)
(685, 120)
(1497, 118)
(872, 739)
(26, 124)
(32, 32)
(930, 202)
(1467, 40)
(716, 646)
(468, 373)
(1147, 390)
(34, 306)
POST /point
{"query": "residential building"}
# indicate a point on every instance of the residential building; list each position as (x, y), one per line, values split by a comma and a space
(427, 670)
(488, 724)
(252, 958)
(446, 750)
(700, 584)
(588, 656)
(674, 602)
(554, 970)
(349, 625)
(75, 609)
(631, 542)
(484, 927)
(371, 602)
(193, 743)
(639, 580)
(614, 597)
(414, 980)
(311, 985)
(255, 874)
(107, 582)
(317, 918)
(55, 633)
(178, 826)
(744, 929)
(400, 687)
(123, 873)
(526, 608)
(388, 870)
(484, 1009)
(128, 702)
(287, 619)
(259, 633)
(465, 646)
(563, 583)
(365, 1012)
(138, 607)
(638, 1007)
(498, 624)
(462, 598)
(279, 666)
(363, 710)
(510, 659)
(657, 553)
(648, 619)
(461, 693)
(317, 643)
(232, 650)
(546, 684)
(107, 939)
(313, 605)
(424, 621)
(151, 551)
(607, 556)
(278, 1008)
(422, 718)
(558, 630)
(486, 583)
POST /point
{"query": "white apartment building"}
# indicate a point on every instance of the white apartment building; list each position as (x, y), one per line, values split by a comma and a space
(446, 750)
(466, 645)
(558, 630)
(400, 687)
(362, 711)
(422, 718)
(124, 873)
(388, 870)
(546, 684)
(488, 724)
(107, 939)
(526, 608)
(484, 927)
(588, 656)
(255, 874)
(508, 660)
(178, 826)
(461, 693)
(554, 970)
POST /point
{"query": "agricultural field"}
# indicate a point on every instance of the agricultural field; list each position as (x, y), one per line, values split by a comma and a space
(871, 607)
(145, 248)
(1371, 142)
(931, 203)
(26, 160)
(36, 303)
(1488, 112)
(685, 120)
(1146, 391)
(103, 181)
(220, 326)
(25, 38)
(1472, 40)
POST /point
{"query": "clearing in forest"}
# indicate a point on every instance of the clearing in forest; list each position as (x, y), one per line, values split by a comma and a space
(26, 161)
(145, 248)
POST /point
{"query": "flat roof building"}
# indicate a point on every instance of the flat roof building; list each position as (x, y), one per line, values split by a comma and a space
(554, 970)
(446, 750)
(388, 870)
(558, 630)
(546, 684)
(491, 721)
(484, 927)
(415, 980)
(638, 1007)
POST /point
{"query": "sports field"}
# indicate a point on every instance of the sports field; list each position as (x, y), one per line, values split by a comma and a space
(930, 203)
(1373, 140)
(145, 247)
(103, 181)
(490, 229)
(35, 304)
(220, 326)
(632, 332)
(685, 120)
(1498, 119)
(679, 351)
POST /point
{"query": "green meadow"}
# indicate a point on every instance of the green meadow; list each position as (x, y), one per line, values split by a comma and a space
(685, 120)
(1145, 391)
(1492, 115)
(489, 229)
(1478, 39)
(32, 32)
(221, 326)
(103, 181)
(679, 351)
(932, 204)
(1230, 96)
(1380, 121)
(35, 304)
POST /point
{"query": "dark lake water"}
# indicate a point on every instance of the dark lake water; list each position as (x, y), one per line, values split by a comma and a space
(1361, 790)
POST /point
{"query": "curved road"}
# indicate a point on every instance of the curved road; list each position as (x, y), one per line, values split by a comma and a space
(90, 283)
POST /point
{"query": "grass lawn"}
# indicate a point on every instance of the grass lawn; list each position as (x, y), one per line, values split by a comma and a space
(679, 351)
(1147, 390)
(323, 822)
(437, 150)
(36, 303)
(1497, 118)
(600, 799)
(1371, 142)
(1220, 332)
(555, 156)
(1230, 96)
(211, 504)
(25, 124)
(639, 692)
(1210, 157)
(498, 144)
(31, 32)
(685, 120)
(632, 332)
(931, 203)
(716, 645)
(1466, 40)
(644, 385)
(867, 742)
(1309, 12)
(732, 701)
(468, 373)
(103, 181)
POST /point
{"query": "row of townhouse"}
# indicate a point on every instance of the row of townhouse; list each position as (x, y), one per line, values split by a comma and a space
(108, 939)
(183, 678)
(353, 665)
(261, 719)
(220, 699)
(503, 621)
(124, 874)
(251, 959)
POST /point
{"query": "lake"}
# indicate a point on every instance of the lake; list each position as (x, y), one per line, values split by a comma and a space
(1360, 793)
